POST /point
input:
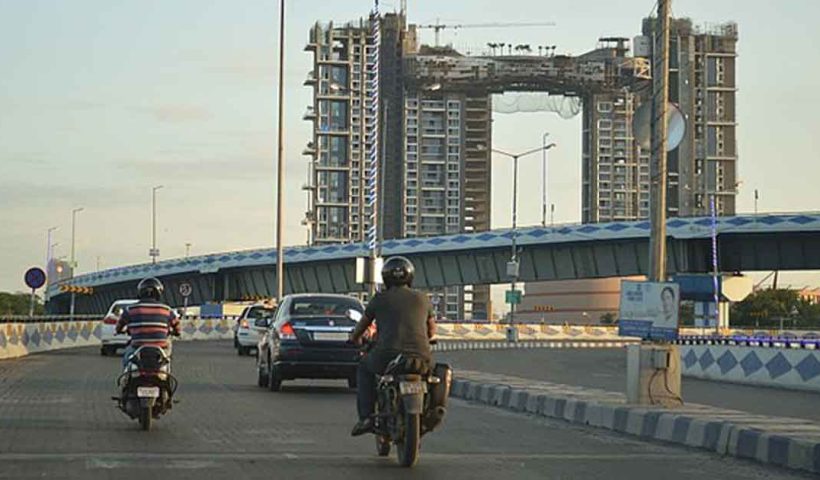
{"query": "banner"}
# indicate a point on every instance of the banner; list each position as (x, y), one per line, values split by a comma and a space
(649, 310)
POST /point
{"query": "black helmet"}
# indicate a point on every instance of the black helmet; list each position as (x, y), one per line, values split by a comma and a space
(150, 288)
(398, 271)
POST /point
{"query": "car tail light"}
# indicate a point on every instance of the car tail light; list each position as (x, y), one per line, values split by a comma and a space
(286, 332)
(110, 321)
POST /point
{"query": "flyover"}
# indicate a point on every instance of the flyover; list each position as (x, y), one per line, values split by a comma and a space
(745, 243)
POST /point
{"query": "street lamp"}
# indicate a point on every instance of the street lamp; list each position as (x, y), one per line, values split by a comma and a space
(73, 259)
(544, 180)
(154, 252)
(513, 266)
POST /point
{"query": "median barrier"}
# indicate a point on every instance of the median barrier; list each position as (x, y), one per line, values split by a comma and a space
(20, 338)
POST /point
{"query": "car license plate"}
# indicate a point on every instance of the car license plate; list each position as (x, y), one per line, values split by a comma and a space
(148, 392)
(407, 388)
(330, 336)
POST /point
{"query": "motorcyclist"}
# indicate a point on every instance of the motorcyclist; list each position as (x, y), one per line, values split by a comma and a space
(406, 323)
(149, 322)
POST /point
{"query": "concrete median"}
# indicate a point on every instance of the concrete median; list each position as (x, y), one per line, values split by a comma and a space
(785, 442)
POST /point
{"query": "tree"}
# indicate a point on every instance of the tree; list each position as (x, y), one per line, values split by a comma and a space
(608, 318)
(766, 308)
(18, 304)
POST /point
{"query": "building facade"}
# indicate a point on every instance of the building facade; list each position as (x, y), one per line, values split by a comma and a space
(702, 84)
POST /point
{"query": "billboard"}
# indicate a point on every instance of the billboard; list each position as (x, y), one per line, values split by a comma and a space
(649, 310)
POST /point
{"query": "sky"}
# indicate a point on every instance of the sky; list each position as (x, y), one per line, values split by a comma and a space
(100, 101)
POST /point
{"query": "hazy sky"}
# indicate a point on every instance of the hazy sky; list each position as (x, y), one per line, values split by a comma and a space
(101, 100)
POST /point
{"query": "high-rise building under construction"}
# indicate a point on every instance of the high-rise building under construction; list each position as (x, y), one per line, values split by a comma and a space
(434, 147)
(702, 84)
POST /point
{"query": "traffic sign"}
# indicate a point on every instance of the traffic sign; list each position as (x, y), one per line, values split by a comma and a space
(513, 297)
(185, 289)
(35, 278)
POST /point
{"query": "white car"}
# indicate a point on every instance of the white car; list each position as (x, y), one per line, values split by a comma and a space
(247, 337)
(110, 341)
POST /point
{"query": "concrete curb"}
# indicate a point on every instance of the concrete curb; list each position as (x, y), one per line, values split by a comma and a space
(783, 442)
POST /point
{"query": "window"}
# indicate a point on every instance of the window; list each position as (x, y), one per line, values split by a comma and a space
(604, 107)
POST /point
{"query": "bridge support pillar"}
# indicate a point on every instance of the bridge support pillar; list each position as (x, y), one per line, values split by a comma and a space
(653, 375)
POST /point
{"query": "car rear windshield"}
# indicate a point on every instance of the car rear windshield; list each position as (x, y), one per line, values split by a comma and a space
(260, 312)
(323, 306)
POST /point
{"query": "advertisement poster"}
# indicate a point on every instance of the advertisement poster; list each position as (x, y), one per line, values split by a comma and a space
(649, 310)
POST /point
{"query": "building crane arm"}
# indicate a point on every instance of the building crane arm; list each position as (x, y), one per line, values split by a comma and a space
(438, 27)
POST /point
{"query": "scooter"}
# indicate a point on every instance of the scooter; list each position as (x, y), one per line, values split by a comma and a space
(147, 385)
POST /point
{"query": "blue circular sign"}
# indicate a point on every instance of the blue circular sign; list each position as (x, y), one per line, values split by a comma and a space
(35, 277)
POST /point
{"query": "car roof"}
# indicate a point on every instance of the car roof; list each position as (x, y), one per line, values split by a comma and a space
(320, 295)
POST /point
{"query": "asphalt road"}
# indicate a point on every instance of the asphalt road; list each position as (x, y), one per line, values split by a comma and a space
(605, 368)
(56, 421)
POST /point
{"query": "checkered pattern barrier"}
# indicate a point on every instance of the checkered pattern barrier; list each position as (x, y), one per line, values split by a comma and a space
(19, 339)
(497, 331)
(771, 367)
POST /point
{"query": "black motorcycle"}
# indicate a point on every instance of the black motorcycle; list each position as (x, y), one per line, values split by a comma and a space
(147, 386)
(411, 401)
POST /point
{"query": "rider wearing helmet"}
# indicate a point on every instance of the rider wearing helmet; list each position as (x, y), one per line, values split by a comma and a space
(406, 323)
(149, 322)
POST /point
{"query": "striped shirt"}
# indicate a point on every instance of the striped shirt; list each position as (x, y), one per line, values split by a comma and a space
(149, 323)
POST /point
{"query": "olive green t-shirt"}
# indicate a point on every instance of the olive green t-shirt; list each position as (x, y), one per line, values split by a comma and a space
(401, 321)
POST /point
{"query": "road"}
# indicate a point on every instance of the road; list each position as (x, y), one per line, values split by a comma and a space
(56, 420)
(606, 368)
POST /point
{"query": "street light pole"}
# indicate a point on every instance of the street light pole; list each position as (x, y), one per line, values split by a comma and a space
(544, 180)
(73, 259)
(280, 163)
(48, 257)
(154, 252)
(187, 249)
(513, 267)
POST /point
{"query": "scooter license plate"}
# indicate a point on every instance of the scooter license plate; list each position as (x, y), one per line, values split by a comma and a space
(148, 392)
(408, 388)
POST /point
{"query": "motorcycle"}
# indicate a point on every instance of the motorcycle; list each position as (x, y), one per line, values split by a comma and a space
(411, 401)
(147, 386)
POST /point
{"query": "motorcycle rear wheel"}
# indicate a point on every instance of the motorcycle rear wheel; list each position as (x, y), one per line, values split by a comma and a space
(408, 448)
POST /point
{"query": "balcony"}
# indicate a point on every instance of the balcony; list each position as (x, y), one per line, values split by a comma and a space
(310, 80)
(310, 114)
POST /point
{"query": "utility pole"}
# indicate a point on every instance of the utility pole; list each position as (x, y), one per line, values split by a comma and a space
(187, 249)
(280, 161)
(660, 100)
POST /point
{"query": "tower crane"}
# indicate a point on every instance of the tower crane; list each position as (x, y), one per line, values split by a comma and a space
(438, 27)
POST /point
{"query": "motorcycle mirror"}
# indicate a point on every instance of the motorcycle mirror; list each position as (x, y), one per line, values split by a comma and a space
(354, 315)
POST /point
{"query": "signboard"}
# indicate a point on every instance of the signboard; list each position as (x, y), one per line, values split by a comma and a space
(185, 289)
(513, 297)
(35, 278)
(649, 310)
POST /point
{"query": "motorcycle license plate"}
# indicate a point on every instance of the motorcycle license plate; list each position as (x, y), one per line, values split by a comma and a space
(148, 392)
(407, 388)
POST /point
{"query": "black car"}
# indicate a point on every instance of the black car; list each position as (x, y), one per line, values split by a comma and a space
(308, 338)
